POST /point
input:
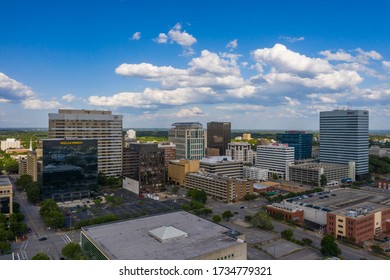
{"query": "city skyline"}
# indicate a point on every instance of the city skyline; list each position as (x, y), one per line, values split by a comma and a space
(259, 66)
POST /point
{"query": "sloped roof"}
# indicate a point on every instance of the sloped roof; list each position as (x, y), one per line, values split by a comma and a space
(166, 233)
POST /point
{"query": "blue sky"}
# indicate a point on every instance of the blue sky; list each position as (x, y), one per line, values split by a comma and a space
(259, 64)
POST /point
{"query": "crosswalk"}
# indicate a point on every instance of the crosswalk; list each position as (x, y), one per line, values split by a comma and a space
(66, 238)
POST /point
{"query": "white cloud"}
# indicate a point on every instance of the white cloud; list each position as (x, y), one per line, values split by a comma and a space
(11, 89)
(292, 101)
(3, 100)
(36, 104)
(364, 57)
(148, 71)
(292, 39)
(340, 55)
(192, 112)
(181, 37)
(162, 38)
(386, 64)
(69, 97)
(136, 36)
(242, 92)
(285, 60)
(240, 107)
(232, 44)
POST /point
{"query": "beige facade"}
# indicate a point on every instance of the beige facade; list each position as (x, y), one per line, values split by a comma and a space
(6, 196)
(32, 165)
(220, 187)
(177, 170)
(92, 124)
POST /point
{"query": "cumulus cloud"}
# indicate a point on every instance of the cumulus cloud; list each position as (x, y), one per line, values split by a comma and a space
(69, 97)
(285, 60)
(187, 113)
(136, 36)
(292, 39)
(36, 104)
(232, 44)
(162, 38)
(242, 92)
(340, 55)
(364, 57)
(181, 37)
(240, 107)
(11, 89)
(292, 101)
(3, 100)
(386, 64)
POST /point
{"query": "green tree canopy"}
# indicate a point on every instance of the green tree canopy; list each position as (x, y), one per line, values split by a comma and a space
(72, 251)
(198, 195)
(23, 182)
(329, 246)
(217, 218)
(323, 180)
(262, 220)
(227, 215)
(5, 247)
(33, 192)
(287, 234)
(40, 256)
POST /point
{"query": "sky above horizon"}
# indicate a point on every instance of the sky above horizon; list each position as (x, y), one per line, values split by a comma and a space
(257, 64)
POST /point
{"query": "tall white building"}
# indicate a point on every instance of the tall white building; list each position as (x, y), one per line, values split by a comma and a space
(255, 173)
(344, 138)
(275, 158)
(92, 124)
(190, 140)
(241, 151)
(10, 143)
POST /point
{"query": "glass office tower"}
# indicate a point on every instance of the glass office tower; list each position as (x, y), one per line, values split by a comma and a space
(218, 136)
(300, 140)
(70, 168)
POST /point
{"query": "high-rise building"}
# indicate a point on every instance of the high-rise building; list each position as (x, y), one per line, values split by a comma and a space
(70, 168)
(344, 138)
(92, 124)
(222, 165)
(169, 152)
(275, 158)
(190, 140)
(241, 151)
(300, 140)
(146, 166)
(218, 136)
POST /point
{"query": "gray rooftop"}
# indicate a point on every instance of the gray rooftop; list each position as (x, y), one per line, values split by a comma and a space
(132, 240)
(4, 181)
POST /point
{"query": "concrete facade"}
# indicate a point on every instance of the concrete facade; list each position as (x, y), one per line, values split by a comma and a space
(177, 170)
(241, 151)
(6, 196)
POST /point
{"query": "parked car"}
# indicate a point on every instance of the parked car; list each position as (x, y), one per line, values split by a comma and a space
(42, 238)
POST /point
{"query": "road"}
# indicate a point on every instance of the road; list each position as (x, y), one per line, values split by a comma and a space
(56, 240)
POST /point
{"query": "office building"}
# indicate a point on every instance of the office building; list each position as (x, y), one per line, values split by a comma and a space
(147, 167)
(300, 140)
(189, 138)
(6, 196)
(220, 187)
(310, 173)
(92, 124)
(177, 170)
(173, 236)
(285, 212)
(275, 158)
(241, 151)
(382, 183)
(344, 138)
(255, 173)
(70, 168)
(169, 152)
(10, 143)
(218, 136)
(359, 223)
(222, 165)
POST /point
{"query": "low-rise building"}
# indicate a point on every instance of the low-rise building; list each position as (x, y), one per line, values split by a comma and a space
(173, 236)
(177, 170)
(255, 173)
(10, 143)
(222, 165)
(285, 212)
(220, 187)
(383, 183)
(310, 173)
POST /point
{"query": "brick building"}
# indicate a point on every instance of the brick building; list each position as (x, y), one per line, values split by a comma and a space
(288, 213)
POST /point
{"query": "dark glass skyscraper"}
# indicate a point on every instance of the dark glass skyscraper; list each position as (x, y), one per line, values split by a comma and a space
(70, 168)
(218, 136)
(344, 138)
(300, 140)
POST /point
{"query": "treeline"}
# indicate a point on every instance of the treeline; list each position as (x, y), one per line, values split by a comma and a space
(379, 165)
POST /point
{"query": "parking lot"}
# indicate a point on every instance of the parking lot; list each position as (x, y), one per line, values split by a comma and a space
(131, 206)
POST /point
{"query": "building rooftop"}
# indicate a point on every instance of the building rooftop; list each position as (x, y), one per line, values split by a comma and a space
(189, 124)
(360, 209)
(182, 236)
(5, 182)
(219, 159)
(318, 166)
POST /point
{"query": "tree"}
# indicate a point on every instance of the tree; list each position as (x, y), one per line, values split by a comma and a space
(175, 189)
(11, 166)
(323, 180)
(227, 215)
(262, 220)
(55, 219)
(217, 218)
(23, 182)
(377, 249)
(198, 195)
(275, 176)
(48, 205)
(307, 241)
(207, 211)
(5, 247)
(250, 196)
(33, 192)
(287, 234)
(329, 246)
(40, 256)
(72, 251)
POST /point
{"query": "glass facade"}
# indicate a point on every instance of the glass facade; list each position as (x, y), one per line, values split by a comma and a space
(218, 136)
(90, 250)
(70, 168)
(301, 141)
